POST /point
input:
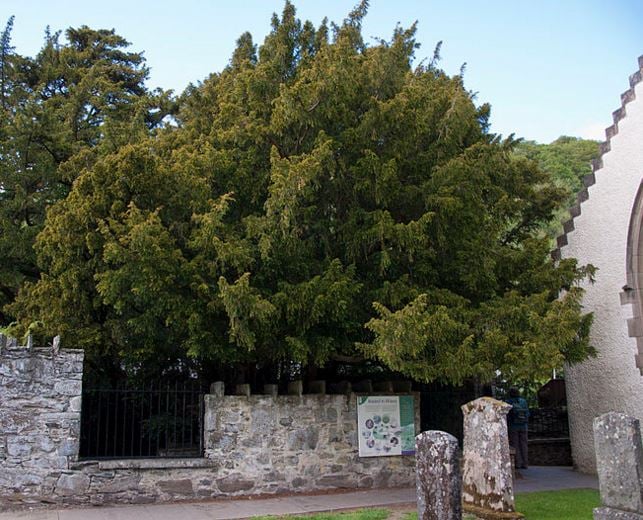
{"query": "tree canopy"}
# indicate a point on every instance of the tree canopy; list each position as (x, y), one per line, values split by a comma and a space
(60, 110)
(319, 201)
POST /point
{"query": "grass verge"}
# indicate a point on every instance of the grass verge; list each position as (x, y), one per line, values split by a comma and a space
(570, 504)
(567, 504)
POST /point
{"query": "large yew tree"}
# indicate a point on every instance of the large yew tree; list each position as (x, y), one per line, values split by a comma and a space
(319, 201)
(75, 100)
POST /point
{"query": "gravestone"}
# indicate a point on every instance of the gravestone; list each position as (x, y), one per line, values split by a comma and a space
(437, 460)
(487, 483)
(619, 461)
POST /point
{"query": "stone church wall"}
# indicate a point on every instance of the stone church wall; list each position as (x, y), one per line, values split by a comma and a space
(599, 235)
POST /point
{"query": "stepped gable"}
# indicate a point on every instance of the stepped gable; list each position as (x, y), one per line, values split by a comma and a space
(597, 164)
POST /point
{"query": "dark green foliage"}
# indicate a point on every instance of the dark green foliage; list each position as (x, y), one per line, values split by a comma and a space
(320, 201)
(60, 110)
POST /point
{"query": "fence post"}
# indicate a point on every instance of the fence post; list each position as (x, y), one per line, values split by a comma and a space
(55, 346)
(295, 388)
(217, 389)
(271, 389)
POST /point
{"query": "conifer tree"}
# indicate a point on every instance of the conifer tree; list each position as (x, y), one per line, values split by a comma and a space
(72, 102)
(320, 201)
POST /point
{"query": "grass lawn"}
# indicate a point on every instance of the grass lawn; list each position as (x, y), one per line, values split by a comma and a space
(568, 504)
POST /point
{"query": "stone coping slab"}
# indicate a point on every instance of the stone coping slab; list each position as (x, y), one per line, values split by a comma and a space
(157, 463)
(20, 349)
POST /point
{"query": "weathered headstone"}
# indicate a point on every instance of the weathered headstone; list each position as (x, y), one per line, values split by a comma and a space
(437, 466)
(619, 461)
(487, 484)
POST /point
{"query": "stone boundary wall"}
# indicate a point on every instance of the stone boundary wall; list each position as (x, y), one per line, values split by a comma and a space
(254, 444)
(40, 399)
(291, 443)
(550, 452)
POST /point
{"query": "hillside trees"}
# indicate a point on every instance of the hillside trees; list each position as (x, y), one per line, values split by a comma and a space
(74, 101)
(321, 201)
(567, 160)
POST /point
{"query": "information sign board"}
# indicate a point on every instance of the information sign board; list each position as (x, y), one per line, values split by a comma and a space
(386, 425)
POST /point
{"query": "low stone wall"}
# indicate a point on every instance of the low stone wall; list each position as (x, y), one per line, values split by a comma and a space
(550, 452)
(275, 444)
(254, 444)
(40, 398)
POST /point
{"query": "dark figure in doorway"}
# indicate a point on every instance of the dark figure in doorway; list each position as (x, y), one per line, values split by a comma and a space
(517, 422)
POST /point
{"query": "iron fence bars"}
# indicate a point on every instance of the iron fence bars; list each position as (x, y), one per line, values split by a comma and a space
(156, 420)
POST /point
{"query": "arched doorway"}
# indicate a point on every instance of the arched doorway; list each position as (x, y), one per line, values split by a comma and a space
(633, 290)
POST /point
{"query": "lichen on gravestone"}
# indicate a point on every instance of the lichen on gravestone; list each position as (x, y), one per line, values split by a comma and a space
(438, 481)
(619, 462)
(487, 480)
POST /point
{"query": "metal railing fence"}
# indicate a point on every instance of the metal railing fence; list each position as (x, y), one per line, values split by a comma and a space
(157, 420)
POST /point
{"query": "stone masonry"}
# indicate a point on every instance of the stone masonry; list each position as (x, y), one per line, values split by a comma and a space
(40, 398)
(290, 443)
(254, 444)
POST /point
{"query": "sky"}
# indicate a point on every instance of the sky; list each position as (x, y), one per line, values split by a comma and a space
(547, 67)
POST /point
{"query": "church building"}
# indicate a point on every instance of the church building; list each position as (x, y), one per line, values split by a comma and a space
(606, 231)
